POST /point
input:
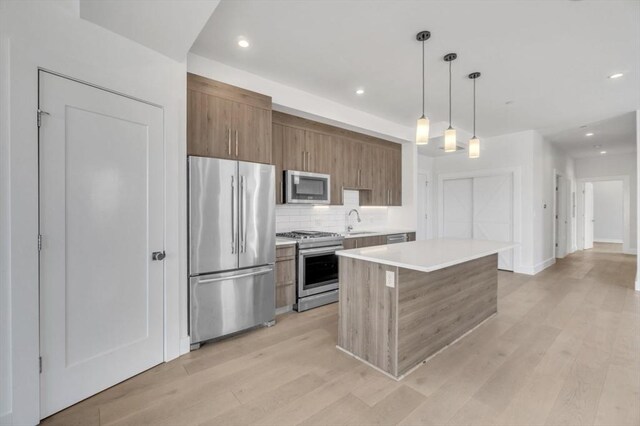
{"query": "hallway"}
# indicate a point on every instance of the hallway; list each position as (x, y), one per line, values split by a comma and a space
(562, 350)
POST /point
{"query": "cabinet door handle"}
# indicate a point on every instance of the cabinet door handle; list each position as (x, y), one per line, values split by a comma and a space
(236, 143)
(229, 143)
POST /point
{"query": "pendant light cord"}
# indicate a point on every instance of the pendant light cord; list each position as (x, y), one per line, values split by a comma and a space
(423, 78)
(474, 107)
(449, 94)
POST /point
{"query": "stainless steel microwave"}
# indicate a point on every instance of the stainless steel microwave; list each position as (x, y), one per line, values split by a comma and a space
(307, 188)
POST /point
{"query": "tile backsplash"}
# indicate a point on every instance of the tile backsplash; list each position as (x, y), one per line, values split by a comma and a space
(329, 218)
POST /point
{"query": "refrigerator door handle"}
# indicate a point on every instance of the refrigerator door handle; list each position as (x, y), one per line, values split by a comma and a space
(233, 214)
(250, 274)
(243, 217)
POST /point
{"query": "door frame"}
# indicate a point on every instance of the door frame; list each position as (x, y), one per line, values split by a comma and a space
(516, 176)
(626, 211)
(560, 200)
(170, 313)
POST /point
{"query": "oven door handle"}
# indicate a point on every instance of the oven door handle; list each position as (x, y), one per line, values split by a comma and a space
(331, 249)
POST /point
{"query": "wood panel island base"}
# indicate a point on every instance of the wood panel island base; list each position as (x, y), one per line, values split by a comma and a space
(400, 304)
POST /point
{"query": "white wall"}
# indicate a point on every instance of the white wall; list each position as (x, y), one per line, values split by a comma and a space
(533, 161)
(503, 154)
(636, 205)
(50, 34)
(612, 166)
(425, 188)
(548, 161)
(607, 211)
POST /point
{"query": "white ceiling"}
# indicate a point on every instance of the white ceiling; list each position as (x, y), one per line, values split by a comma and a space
(168, 26)
(615, 135)
(550, 58)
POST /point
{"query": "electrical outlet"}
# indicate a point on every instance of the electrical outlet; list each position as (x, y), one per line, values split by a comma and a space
(391, 279)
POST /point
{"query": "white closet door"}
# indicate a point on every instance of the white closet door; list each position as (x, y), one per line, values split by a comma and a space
(101, 216)
(458, 208)
(492, 213)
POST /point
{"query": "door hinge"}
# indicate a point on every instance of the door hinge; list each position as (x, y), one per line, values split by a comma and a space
(39, 242)
(40, 364)
(39, 115)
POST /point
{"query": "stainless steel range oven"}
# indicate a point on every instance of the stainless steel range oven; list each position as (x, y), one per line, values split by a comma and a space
(317, 268)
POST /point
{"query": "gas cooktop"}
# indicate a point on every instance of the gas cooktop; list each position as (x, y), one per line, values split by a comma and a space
(307, 235)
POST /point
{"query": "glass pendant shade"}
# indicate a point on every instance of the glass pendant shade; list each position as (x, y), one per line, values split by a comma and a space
(422, 131)
(450, 140)
(474, 147)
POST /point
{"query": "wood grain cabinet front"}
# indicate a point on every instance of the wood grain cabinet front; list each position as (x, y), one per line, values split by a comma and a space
(285, 276)
(374, 240)
(225, 121)
(354, 161)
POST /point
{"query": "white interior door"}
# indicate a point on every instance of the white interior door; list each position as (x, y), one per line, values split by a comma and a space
(588, 215)
(101, 217)
(493, 213)
(457, 209)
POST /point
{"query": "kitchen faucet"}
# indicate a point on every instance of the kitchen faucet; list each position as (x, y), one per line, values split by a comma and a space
(350, 227)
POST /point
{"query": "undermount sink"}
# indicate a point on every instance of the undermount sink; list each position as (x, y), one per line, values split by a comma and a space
(359, 233)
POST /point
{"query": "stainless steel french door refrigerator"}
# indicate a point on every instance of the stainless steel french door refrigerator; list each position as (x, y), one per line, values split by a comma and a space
(231, 246)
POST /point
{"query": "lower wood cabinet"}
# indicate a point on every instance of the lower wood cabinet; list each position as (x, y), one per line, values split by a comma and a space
(377, 240)
(285, 276)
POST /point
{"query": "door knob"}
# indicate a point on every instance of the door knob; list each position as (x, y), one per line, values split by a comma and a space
(158, 255)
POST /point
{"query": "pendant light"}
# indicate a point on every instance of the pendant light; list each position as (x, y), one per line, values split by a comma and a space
(474, 142)
(422, 127)
(450, 140)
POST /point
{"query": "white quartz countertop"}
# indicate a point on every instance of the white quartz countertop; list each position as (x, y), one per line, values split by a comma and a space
(428, 255)
(356, 233)
(284, 242)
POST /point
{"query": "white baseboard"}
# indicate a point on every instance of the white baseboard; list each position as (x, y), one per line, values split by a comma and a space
(535, 269)
(185, 345)
(6, 419)
(631, 251)
(607, 240)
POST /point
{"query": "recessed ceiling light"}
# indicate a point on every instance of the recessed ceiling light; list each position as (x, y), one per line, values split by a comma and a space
(616, 75)
(360, 92)
(589, 134)
(243, 43)
(603, 152)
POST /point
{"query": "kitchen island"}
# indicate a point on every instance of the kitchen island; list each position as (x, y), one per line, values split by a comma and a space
(400, 304)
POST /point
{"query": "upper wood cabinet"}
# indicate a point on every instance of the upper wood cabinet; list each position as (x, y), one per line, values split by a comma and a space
(354, 161)
(386, 186)
(225, 121)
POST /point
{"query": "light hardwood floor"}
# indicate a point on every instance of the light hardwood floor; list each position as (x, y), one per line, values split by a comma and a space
(564, 348)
